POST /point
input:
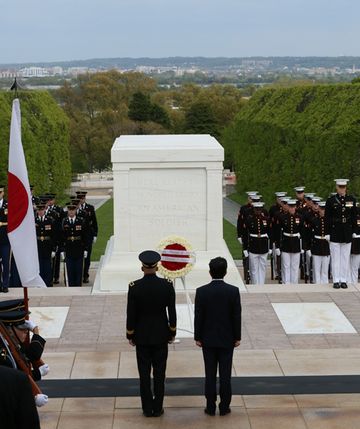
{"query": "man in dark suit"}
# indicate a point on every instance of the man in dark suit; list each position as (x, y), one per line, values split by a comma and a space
(17, 404)
(218, 331)
(150, 326)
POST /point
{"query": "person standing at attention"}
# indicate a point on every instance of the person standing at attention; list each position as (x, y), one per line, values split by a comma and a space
(217, 332)
(150, 327)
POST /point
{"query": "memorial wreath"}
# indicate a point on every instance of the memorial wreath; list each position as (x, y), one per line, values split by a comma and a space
(177, 257)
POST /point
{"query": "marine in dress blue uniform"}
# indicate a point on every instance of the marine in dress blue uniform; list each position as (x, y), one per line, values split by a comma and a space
(340, 216)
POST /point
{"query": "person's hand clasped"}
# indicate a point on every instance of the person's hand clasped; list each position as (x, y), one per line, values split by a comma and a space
(237, 343)
(198, 343)
(132, 343)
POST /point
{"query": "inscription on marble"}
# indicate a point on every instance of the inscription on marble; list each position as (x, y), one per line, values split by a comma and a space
(165, 202)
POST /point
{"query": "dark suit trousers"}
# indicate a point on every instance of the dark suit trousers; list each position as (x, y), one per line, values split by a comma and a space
(155, 357)
(215, 357)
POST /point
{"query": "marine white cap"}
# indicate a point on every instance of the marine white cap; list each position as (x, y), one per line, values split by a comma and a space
(341, 182)
(292, 202)
(280, 194)
(258, 204)
(299, 189)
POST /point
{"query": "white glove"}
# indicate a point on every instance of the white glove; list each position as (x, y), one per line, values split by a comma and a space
(30, 325)
(246, 253)
(277, 252)
(354, 235)
(41, 400)
(302, 251)
(94, 239)
(85, 254)
(240, 240)
(270, 251)
(62, 256)
(44, 369)
(327, 237)
(308, 252)
(53, 255)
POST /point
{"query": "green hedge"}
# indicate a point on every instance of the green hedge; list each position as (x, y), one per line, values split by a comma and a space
(297, 136)
(45, 137)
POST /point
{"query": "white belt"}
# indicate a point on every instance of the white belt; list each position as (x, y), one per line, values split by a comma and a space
(291, 235)
(321, 237)
(259, 235)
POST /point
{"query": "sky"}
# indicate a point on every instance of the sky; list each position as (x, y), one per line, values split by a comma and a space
(59, 30)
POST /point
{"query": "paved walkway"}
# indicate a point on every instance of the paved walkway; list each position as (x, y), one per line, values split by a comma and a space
(91, 344)
(230, 210)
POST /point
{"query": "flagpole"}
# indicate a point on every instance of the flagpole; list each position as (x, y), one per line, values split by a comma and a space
(14, 87)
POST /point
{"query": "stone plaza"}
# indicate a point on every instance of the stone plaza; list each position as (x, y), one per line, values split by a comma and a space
(298, 364)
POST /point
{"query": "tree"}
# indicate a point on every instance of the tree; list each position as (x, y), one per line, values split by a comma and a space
(45, 137)
(200, 119)
(305, 135)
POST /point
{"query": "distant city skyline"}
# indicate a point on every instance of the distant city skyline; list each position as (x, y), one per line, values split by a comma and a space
(64, 30)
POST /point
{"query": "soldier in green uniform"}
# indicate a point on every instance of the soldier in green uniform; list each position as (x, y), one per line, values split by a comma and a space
(151, 326)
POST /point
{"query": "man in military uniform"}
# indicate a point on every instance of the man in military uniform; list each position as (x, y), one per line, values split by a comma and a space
(300, 197)
(320, 250)
(17, 405)
(274, 234)
(57, 213)
(46, 241)
(4, 244)
(74, 245)
(90, 216)
(340, 216)
(256, 242)
(150, 326)
(244, 211)
(291, 225)
(217, 331)
(355, 249)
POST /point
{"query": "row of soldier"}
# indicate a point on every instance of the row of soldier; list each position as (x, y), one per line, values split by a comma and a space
(63, 235)
(319, 239)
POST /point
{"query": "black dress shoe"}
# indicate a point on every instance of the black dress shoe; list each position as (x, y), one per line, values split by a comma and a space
(158, 413)
(86, 280)
(148, 413)
(5, 290)
(56, 282)
(224, 412)
(344, 285)
(336, 286)
(209, 412)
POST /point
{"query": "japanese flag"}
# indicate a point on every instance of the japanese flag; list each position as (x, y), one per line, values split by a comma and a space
(21, 224)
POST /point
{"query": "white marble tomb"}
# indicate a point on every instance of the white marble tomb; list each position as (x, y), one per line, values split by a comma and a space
(165, 185)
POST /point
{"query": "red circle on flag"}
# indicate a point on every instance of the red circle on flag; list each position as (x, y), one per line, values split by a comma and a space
(18, 203)
(174, 266)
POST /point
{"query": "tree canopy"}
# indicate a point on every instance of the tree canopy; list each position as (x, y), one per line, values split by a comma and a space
(45, 138)
(102, 106)
(306, 135)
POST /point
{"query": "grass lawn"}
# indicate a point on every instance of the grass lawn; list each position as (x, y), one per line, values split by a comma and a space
(104, 216)
(230, 236)
(240, 199)
(106, 227)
